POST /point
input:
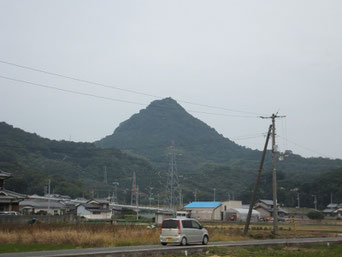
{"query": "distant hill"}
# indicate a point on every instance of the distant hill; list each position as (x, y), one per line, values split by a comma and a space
(153, 130)
(205, 158)
(75, 169)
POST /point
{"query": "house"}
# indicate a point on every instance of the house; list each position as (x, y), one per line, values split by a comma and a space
(204, 210)
(265, 208)
(42, 206)
(162, 215)
(211, 210)
(95, 209)
(338, 212)
(240, 214)
(9, 200)
(330, 210)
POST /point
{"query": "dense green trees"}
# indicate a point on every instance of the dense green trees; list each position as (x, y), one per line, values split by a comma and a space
(205, 160)
(75, 169)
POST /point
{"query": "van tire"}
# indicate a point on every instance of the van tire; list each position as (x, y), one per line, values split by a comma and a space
(184, 241)
(205, 240)
(164, 243)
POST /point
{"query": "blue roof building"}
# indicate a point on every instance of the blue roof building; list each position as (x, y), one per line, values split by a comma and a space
(203, 205)
(205, 210)
(211, 210)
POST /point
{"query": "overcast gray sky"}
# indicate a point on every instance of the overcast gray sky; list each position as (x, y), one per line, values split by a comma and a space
(254, 56)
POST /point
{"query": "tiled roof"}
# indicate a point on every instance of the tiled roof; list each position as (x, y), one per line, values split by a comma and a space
(268, 202)
(11, 194)
(41, 204)
(4, 175)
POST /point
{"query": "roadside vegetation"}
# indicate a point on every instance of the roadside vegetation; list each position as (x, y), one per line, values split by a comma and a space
(18, 238)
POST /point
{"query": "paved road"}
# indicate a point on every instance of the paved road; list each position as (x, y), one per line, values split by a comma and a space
(148, 250)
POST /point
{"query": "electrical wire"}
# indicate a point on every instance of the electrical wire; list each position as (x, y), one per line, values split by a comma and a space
(121, 89)
(249, 136)
(114, 99)
(306, 148)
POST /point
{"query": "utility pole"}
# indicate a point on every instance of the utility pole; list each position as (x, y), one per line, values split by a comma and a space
(274, 173)
(134, 189)
(180, 199)
(331, 197)
(298, 199)
(315, 201)
(195, 195)
(115, 192)
(150, 195)
(105, 179)
(158, 200)
(214, 194)
(49, 197)
(257, 182)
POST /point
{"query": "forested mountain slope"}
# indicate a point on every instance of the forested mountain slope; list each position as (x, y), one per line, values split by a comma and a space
(75, 169)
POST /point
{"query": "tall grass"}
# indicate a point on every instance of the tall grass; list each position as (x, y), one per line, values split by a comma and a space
(85, 235)
(107, 235)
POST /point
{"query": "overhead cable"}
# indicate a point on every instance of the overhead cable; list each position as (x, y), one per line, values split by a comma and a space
(114, 99)
(121, 89)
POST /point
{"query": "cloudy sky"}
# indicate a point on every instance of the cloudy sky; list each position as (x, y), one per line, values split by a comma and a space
(246, 57)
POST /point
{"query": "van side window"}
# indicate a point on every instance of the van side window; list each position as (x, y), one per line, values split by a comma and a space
(195, 224)
(186, 223)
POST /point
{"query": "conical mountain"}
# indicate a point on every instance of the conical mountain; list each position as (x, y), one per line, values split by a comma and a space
(163, 123)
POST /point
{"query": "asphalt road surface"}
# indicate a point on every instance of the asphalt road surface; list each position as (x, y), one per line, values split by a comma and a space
(148, 250)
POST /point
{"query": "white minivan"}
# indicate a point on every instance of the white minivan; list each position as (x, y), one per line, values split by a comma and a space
(183, 231)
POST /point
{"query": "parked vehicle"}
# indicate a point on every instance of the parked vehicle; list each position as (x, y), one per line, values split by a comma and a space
(9, 213)
(183, 231)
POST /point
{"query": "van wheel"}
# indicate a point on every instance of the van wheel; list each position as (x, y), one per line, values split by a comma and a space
(164, 243)
(184, 241)
(205, 240)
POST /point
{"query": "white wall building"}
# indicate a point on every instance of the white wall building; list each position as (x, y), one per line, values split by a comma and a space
(211, 210)
(93, 212)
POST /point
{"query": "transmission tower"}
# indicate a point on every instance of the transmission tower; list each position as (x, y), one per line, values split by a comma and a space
(173, 189)
(134, 199)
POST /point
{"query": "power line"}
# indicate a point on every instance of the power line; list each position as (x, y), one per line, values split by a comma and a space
(70, 91)
(306, 148)
(114, 99)
(121, 89)
(248, 137)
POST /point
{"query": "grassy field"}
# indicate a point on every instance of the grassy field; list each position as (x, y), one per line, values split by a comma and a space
(15, 238)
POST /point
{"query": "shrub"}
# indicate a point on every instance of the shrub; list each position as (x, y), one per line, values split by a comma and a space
(315, 215)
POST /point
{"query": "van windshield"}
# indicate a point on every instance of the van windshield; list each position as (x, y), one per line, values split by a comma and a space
(170, 224)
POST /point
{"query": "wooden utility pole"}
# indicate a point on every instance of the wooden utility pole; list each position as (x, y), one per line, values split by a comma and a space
(274, 173)
(274, 179)
(257, 182)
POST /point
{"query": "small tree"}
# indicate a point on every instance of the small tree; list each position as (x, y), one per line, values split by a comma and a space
(315, 215)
